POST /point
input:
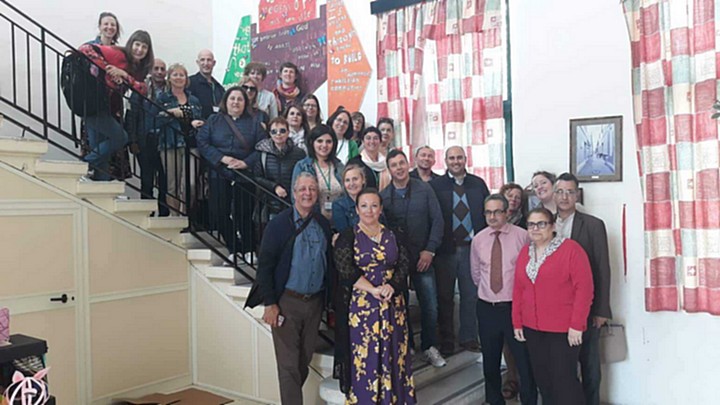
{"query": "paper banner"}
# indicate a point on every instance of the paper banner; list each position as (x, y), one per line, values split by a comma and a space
(302, 44)
(348, 68)
(240, 55)
(274, 14)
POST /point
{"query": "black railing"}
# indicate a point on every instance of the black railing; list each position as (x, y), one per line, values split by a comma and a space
(37, 57)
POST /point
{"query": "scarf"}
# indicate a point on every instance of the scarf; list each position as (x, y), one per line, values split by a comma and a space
(533, 266)
(378, 167)
(289, 93)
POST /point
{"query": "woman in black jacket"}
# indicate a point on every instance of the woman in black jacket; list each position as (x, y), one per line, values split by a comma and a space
(273, 170)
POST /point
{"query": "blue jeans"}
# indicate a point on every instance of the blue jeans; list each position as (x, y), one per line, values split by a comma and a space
(427, 297)
(452, 267)
(590, 364)
(105, 136)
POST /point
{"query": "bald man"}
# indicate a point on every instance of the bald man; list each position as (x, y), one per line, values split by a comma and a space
(461, 196)
(203, 86)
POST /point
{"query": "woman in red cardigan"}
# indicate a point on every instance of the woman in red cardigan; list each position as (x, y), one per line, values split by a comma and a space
(551, 301)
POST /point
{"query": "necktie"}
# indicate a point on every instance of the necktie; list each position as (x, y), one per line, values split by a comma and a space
(496, 278)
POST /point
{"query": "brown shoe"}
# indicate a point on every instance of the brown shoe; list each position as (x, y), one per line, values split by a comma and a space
(471, 346)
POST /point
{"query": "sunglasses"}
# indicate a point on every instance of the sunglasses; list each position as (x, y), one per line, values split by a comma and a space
(281, 131)
(248, 88)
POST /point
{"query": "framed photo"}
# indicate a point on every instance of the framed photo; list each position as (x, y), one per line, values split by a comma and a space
(596, 148)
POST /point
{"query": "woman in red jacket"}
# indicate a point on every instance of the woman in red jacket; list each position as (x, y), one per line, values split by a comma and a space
(123, 67)
(551, 301)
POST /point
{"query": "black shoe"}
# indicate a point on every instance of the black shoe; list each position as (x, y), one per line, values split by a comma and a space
(447, 349)
(471, 346)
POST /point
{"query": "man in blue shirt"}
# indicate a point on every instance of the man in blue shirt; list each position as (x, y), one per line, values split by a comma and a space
(293, 283)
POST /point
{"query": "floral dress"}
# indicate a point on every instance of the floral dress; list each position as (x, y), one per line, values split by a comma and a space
(380, 369)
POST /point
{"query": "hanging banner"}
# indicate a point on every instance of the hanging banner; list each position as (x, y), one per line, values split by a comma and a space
(302, 44)
(348, 68)
(274, 14)
(240, 55)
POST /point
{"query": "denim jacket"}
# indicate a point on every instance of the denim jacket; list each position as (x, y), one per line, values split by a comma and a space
(170, 135)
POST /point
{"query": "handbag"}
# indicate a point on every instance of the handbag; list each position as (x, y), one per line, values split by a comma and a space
(4, 326)
(613, 344)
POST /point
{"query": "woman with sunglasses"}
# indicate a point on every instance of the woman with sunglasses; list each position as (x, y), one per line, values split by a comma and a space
(251, 89)
(274, 169)
(552, 295)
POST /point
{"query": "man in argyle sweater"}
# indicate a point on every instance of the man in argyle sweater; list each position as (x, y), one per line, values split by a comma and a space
(461, 196)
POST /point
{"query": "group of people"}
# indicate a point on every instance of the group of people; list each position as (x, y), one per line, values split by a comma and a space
(362, 229)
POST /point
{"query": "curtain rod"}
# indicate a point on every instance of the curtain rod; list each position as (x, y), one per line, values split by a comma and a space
(381, 6)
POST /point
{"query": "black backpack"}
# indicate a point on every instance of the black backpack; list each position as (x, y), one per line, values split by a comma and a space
(86, 95)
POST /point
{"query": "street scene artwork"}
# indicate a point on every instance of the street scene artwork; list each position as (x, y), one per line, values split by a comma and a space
(596, 148)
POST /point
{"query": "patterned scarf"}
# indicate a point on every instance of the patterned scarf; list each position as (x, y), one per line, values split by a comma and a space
(289, 93)
(534, 264)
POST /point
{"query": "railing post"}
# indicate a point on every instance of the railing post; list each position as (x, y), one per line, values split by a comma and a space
(44, 82)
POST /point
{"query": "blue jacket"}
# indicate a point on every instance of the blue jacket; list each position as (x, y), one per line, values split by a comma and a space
(307, 165)
(476, 191)
(276, 250)
(343, 213)
(216, 139)
(170, 135)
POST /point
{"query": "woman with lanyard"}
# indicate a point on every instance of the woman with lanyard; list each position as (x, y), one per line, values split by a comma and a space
(322, 163)
(340, 122)
(377, 174)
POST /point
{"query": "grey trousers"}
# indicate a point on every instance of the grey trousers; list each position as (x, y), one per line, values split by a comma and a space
(294, 343)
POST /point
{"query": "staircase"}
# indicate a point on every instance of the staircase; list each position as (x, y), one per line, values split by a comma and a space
(25, 156)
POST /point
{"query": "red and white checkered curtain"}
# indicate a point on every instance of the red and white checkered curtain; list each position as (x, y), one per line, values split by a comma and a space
(675, 67)
(442, 77)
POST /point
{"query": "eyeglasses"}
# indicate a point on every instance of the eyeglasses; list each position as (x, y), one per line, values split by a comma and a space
(489, 213)
(310, 106)
(248, 88)
(537, 225)
(281, 131)
(568, 193)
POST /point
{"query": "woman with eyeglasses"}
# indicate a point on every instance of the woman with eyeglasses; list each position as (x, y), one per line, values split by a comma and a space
(298, 125)
(542, 185)
(251, 89)
(358, 126)
(552, 295)
(273, 171)
(340, 122)
(311, 106)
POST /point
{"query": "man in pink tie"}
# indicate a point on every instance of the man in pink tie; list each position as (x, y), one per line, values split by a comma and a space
(493, 253)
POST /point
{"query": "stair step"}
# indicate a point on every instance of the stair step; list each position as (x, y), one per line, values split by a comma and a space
(203, 257)
(239, 292)
(21, 153)
(133, 206)
(190, 241)
(172, 223)
(464, 387)
(63, 168)
(220, 273)
(427, 374)
(100, 193)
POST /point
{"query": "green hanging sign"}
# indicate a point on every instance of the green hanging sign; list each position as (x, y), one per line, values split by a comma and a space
(240, 55)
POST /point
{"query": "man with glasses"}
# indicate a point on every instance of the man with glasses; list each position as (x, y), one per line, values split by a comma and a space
(590, 233)
(203, 86)
(493, 254)
(293, 283)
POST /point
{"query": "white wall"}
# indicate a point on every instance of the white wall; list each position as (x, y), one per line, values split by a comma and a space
(226, 18)
(574, 61)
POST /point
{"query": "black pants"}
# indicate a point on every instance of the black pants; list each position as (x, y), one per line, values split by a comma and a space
(590, 364)
(151, 167)
(495, 324)
(554, 364)
(231, 209)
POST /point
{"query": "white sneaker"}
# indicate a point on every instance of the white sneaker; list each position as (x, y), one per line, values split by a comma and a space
(433, 356)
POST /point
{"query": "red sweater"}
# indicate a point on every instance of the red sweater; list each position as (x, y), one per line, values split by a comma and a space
(112, 55)
(562, 293)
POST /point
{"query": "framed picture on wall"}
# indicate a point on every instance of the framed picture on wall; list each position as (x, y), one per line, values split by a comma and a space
(596, 148)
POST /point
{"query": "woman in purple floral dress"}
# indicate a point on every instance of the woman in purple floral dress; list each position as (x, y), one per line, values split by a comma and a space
(372, 358)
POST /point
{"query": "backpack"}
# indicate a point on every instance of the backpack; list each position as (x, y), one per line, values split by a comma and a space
(85, 94)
